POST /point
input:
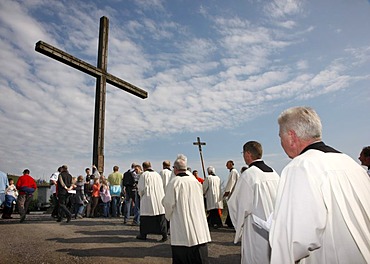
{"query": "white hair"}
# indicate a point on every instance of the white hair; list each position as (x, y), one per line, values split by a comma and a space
(180, 163)
(304, 121)
(211, 170)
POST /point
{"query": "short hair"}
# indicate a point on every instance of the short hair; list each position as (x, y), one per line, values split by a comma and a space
(166, 164)
(115, 168)
(182, 156)
(366, 151)
(230, 161)
(304, 121)
(211, 170)
(64, 167)
(87, 169)
(80, 178)
(147, 165)
(180, 164)
(26, 171)
(254, 148)
(133, 165)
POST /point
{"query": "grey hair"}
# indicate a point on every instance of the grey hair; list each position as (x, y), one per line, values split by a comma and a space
(304, 121)
(211, 170)
(182, 156)
(180, 163)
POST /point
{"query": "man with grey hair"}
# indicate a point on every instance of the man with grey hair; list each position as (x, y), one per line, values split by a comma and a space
(212, 192)
(152, 219)
(322, 207)
(189, 235)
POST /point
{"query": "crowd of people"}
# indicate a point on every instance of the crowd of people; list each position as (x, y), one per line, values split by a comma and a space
(316, 211)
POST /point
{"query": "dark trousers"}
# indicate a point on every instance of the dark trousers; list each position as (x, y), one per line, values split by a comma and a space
(214, 219)
(24, 201)
(190, 255)
(54, 200)
(95, 202)
(63, 210)
(228, 221)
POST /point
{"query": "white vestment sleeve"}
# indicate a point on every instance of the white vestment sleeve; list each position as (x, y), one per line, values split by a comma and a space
(298, 224)
(169, 201)
(238, 210)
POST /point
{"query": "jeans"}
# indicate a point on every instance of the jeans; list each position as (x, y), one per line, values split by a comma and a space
(9, 199)
(79, 209)
(106, 209)
(116, 206)
(137, 208)
(127, 208)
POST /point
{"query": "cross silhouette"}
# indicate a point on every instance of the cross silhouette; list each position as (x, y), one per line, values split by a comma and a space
(102, 77)
(200, 144)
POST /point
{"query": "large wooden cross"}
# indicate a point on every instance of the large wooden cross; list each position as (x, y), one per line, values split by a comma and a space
(102, 77)
(200, 144)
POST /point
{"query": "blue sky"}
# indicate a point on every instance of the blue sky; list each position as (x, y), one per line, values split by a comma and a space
(220, 70)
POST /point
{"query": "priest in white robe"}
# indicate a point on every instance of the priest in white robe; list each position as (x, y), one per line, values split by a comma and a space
(230, 185)
(212, 193)
(165, 173)
(254, 194)
(184, 207)
(322, 209)
(152, 219)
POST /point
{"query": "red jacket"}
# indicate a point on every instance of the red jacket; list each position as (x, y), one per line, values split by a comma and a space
(25, 182)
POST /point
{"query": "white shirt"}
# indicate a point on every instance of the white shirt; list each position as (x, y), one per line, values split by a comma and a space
(232, 180)
(322, 211)
(212, 192)
(254, 193)
(184, 207)
(54, 177)
(165, 175)
(150, 188)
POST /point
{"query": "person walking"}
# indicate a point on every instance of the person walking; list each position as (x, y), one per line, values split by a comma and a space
(189, 235)
(231, 182)
(254, 195)
(212, 193)
(64, 185)
(26, 186)
(152, 219)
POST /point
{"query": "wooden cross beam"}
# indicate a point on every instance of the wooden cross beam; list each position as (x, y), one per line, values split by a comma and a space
(102, 77)
(200, 144)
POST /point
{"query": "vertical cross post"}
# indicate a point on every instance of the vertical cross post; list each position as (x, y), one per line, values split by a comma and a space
(101, 87)
(200, 144)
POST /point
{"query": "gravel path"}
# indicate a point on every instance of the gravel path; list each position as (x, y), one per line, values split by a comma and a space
(40, 239)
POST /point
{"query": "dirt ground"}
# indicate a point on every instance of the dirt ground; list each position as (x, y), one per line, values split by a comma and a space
(40, 239)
